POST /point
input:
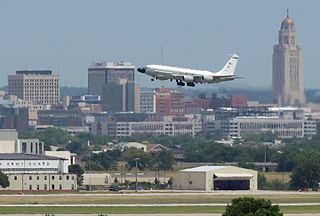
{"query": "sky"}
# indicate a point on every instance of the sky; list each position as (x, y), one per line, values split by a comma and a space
(67, 36)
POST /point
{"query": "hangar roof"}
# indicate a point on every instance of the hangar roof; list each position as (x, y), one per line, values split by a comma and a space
(203, 168)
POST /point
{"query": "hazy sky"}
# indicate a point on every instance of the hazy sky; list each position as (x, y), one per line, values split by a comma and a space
(68, 35)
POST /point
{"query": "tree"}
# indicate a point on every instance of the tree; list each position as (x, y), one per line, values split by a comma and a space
(4, 181)
(249, 206)
(170, 182)
(104, 160)
(145, 159)
(78, 170)
(165, 159)
(262, 181)
(115, 180)
(306, 172)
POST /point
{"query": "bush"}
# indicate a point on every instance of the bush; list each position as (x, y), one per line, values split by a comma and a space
(249, 206)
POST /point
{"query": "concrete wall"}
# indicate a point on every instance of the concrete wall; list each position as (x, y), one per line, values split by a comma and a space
(7, 146)
(42, 182)
(191, 181)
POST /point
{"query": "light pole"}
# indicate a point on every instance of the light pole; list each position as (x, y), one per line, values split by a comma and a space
(265, 157)
(89, 165)
(136, 160)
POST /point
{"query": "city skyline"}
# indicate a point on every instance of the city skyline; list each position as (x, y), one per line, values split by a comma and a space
(68, 37)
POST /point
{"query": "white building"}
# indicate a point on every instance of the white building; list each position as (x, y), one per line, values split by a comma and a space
(37, 172)
(286, 122)
(127, 145)
(216, 178)
(9, 143)
(147, 101)
(70, 157)
(168, 126)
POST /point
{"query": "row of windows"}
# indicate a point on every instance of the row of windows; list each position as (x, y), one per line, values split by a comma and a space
(28, 169)
(46, 177)
(45, 187)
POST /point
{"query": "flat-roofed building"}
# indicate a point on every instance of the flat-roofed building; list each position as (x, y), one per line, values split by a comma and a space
(37, 172)
(38, 86)
(168, 125)
(147, 101)
(101, 73)
(9, 143)
(169, 102)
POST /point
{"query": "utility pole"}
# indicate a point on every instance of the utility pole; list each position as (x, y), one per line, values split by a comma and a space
(265, 157)
(136, 160)
(89, 165)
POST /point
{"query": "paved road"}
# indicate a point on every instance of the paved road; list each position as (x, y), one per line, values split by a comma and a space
(145, 205)
(164, 193)
(143, 214)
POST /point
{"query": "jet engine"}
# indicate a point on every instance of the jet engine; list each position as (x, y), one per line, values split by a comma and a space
(207, 78)
(188, 78)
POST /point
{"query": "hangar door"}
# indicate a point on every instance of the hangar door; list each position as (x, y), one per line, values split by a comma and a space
(231, 182)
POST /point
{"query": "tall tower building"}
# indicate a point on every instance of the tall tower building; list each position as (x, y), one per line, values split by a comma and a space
(287, 73)
(102, 73)
(38, 86)
(114, 82)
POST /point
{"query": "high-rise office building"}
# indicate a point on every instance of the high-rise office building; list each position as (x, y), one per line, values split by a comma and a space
(38, 86)
(102, 73)
(114, 82)
(147, 101)
(121, 97)
(287, 75)
(169, 102)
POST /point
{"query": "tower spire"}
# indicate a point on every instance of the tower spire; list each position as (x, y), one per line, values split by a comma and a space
(287, 13)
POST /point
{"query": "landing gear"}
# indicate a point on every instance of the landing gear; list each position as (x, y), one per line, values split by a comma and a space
(191, 84)
(180, 83)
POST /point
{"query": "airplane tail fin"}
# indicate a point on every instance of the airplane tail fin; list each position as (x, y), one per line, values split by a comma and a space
(230, 67)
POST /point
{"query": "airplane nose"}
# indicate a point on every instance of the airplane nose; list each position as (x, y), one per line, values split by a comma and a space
(142, 70)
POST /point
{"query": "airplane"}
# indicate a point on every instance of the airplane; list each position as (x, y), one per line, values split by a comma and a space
(189, 76)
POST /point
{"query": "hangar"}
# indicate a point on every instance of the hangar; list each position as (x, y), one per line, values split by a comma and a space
(216, 178)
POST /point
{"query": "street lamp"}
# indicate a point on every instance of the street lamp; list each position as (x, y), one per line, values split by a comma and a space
(265, 157)
(136, 160)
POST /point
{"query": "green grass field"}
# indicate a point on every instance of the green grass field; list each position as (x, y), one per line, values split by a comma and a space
(138, 210)
(154, 198)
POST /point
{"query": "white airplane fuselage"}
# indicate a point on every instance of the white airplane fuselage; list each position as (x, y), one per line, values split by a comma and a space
(190, 76)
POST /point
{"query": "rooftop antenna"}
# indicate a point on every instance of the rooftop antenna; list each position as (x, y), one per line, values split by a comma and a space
(161, 55)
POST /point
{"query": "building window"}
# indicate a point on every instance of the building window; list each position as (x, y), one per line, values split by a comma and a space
(72, 177)
(30, 177)
(30, 187)
(37, 177)
(24, 147)
(15, 178)
(52, 177)
(45, 177)
(52, 186)
(72, 187)
(67, 177)
(60, 177)
(60, 186)
(38, 187)
(45, 186)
